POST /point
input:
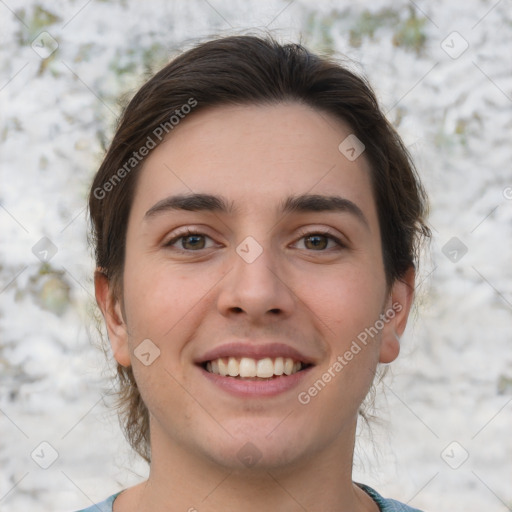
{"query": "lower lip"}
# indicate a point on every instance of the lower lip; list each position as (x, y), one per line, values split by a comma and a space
(256, 388)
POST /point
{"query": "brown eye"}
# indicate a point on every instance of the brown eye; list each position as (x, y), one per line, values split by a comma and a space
(193, 242)
(319, 242)
(188, 242)
(316, 242)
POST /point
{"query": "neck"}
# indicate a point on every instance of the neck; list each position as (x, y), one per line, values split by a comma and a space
(181, 481)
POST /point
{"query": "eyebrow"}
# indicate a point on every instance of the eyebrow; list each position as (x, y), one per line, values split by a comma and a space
(293, 204)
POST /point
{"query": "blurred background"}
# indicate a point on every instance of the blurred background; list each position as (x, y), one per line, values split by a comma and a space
(443, 74)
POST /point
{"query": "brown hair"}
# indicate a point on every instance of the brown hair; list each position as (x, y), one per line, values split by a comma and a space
(248, 70)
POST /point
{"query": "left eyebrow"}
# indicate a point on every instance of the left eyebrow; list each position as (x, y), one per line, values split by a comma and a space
(319, 203)
(302, 203)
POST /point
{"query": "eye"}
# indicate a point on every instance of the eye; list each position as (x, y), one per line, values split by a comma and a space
(192, 241)
(319, 241)
(189, 241)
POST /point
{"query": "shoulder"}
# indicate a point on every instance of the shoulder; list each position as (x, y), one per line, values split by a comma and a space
(386, 505)
(104, 506)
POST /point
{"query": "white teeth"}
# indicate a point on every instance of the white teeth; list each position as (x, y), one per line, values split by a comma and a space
(288, 366)
(233, 367)
(265, 368)
(223, 367)
(279, 366)
(247, 367)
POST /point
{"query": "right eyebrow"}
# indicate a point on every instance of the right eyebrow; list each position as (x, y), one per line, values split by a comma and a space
(190, 202)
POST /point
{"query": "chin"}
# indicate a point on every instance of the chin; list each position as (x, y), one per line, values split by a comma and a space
(256, 450)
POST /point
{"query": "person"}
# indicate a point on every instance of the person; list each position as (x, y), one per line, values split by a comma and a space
(257, 224)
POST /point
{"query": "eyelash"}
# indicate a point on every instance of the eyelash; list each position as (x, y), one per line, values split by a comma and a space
(327, 234)
(303, 234)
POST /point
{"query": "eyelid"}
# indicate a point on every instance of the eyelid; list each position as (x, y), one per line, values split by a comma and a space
(183, 234)
(339, 240)
(303, 232)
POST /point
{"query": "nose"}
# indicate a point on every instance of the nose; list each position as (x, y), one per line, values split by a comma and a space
(258, 289)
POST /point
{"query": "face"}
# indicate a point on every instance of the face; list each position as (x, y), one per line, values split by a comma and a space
(253, 251)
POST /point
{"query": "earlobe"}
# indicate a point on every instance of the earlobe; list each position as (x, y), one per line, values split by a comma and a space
(397, 311)
(116, 326)
(389, 348)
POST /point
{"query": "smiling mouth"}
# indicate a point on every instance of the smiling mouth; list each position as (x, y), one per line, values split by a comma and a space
(254, 369)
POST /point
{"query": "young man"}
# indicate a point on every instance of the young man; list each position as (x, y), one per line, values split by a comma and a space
(256, 221)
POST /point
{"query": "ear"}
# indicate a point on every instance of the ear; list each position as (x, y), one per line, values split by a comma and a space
(116, 326)
(397, 312)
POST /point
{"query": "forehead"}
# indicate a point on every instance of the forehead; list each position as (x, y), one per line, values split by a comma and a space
(254, 156)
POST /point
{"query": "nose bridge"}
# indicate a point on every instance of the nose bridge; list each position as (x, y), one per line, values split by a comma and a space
(256, 285)
(255, 263)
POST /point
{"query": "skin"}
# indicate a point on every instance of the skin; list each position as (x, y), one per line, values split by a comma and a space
(314, 297)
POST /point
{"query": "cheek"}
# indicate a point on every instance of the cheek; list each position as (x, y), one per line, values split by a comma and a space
(347, 301)
(347, 305)
(159, 306)
(344, 307)
(161, 302)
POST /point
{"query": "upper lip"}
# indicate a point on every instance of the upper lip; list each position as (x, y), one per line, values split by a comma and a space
(254, 351)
